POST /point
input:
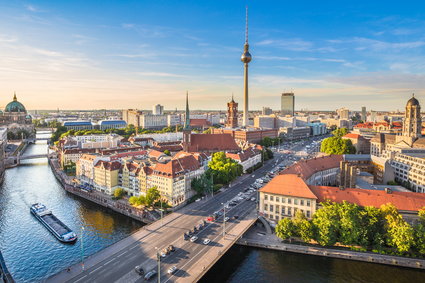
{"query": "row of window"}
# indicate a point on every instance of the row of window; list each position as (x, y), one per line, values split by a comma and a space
(284, 210)
(287, 200)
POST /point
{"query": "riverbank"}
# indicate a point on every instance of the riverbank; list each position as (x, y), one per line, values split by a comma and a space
(255, 237)
(119, 206)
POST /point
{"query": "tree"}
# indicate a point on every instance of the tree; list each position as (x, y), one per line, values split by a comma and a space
(337, 145)
(119, 193)
(350, 227)
(285, 228)
(340, 132)
(326, 224)
(223, 169)
(373, 227)
(167, 152)
(303, 227)
(152, 195)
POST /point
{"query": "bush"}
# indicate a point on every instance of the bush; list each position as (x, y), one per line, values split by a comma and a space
(119, 193)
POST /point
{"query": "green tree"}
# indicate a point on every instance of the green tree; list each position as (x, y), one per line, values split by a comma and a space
(350, 224)
(223, 169)
(326, 224)
(340, 132)
(119, 193)
(152, 195)
(285, 228)
(303, 227)
(337, 145)
(167, 152)
(373, 227)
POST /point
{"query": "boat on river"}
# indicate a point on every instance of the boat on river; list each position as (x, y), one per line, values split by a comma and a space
(62, 232)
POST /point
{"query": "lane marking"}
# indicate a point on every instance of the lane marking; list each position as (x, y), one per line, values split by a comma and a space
(80, 279)
(94, 270)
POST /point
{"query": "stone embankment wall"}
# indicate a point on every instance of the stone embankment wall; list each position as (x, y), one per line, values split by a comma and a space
(351, 255)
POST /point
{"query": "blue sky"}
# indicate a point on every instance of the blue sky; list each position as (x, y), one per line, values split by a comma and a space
(133, 54)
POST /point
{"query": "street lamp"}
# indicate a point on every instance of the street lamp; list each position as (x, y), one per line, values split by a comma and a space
(82, 248)
(224, 219)
(158, 258)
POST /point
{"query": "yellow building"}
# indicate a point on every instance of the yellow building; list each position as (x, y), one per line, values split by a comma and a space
(106, 176)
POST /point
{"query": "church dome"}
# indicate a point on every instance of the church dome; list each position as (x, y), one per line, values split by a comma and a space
(15, 106)
(412, 102)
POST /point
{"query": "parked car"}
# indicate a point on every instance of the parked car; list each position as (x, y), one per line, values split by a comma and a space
(171, 248)
(226, 219)
(151, 274)
(252, 199)
(206, 241)
(172, 269)
(193, 239)
(139, 270)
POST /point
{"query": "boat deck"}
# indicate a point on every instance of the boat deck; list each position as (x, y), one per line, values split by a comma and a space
(55, 224)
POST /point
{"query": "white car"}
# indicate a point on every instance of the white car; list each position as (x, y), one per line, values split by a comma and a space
(226, 219)
(206, 241)
(252, 199)
(193, 239)
(172, 269)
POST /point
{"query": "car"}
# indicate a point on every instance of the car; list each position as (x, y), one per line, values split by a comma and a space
(210, 219)
(206, 241)
(226, 219)
(139, 270)
(252, 199)
(171, 248)
(193, 239)
(253, 176)
(164, 253)
(172, 269)
(151, 274)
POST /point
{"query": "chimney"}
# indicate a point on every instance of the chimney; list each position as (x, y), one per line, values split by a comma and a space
(388, 190)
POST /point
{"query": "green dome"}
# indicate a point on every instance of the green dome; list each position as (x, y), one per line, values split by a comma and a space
(15, 106)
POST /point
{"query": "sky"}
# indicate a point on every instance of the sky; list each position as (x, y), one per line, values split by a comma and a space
(134, 54)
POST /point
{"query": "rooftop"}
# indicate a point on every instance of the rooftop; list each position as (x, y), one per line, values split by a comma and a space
(288, 185)
(306, 168)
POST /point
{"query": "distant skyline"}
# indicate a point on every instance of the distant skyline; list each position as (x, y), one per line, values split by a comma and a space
(134, 54)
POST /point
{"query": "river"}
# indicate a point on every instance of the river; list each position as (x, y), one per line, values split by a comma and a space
(33, 254)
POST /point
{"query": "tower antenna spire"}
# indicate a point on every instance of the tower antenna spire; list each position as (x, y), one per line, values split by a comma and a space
(246, 27)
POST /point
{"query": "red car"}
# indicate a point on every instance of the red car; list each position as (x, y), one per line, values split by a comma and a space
(210, 219)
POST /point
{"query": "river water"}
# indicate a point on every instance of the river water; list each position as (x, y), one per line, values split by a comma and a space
(33, 254)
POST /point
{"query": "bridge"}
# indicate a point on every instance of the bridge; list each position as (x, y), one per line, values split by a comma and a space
(192, 259)
(26, 157)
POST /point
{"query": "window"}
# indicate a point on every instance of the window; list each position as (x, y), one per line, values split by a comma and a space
(289, 211)
(265, 207)
(271, 208)
(271, 198)
(277, 199)
(308, 203)
(277, 208)
(296, 201)
(289, 201)
(266, 197)
(283, 210)
(283, 200)
(308, 213)
(302, 202)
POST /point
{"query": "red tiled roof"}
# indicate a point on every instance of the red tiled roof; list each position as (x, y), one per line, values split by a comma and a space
(155, 153)
(199, 123)
(79, 150)
(244, 155)
(176, 166)
(110, 166)
(212, 142)
(130, 153)
(306, 168)
(352, 136)
(406, 201)
(288, 185)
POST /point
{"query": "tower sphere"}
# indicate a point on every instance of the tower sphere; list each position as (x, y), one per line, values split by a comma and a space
(246, 56)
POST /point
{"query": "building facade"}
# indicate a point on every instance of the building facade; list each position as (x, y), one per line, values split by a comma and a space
(232, 114)
(288, 104)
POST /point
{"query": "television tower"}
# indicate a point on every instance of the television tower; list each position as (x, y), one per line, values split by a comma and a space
(245, 58)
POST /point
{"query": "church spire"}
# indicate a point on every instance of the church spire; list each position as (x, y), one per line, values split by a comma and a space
(187, 113)
(14, 97)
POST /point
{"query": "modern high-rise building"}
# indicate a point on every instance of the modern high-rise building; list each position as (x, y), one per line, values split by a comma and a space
(158, 109)
(364, 114)
(246, 58)
(343, 113)
(267, 111)
(287, 104)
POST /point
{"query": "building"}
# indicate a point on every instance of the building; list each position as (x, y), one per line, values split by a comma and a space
(78, 125)
(106, 176)
(158, 109)
(296, 133)
(409, 170)
(364, 114)
(265, 121)
(248, 135)
(247, 158)
(3, 144)
(112, 124)
(132, 117)
(158, 122)
(287, 104)
(267, 111)
(174, 120)
(318, 129)
(361, 144)
(15, 118)
(232, 114)
(343, 113)
(285, 194)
